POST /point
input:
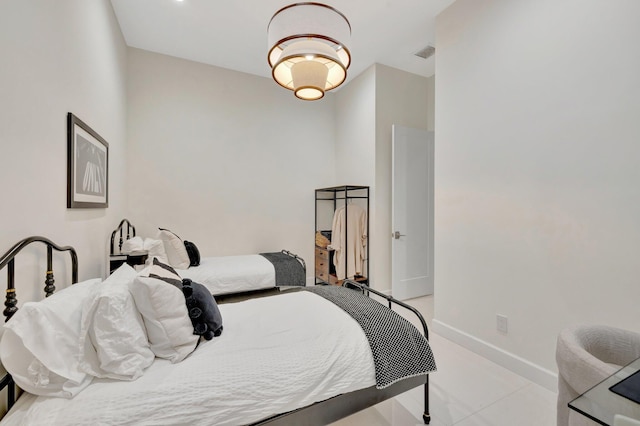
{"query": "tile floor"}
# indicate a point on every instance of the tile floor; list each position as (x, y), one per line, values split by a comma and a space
(467, 390)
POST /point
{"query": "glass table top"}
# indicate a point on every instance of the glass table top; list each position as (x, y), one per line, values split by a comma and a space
(600, 404)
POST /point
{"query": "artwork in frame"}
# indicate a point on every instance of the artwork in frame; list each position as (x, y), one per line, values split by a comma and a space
(87, 166)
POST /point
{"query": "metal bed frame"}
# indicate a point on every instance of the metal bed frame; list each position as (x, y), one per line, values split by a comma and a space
(426, 417)
(316, 414)
(8, 260)
(124, 225)
(296, 257)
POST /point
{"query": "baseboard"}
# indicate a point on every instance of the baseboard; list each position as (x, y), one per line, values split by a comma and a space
(539, 375)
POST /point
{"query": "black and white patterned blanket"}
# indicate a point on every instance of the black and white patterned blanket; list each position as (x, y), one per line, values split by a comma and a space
(399, 350)
(288, 270)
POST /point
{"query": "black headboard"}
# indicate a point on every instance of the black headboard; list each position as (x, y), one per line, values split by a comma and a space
(125, 226)
(8, 259)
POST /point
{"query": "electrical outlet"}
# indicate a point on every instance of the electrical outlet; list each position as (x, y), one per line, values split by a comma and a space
(501, 323)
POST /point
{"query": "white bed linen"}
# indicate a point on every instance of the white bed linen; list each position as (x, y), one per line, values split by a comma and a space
(232, 274)
(276, 354)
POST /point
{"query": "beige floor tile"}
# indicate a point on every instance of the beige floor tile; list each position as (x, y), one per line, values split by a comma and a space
(467, 390)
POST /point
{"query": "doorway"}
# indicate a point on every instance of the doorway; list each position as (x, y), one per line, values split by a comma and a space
(412, 212)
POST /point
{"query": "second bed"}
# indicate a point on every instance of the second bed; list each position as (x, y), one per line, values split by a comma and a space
(225, 275)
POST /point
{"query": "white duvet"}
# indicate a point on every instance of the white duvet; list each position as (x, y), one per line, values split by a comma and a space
(276, 354)
(232, 274)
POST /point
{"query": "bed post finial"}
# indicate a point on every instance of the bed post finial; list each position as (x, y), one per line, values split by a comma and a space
(49, 281)
(10, 303)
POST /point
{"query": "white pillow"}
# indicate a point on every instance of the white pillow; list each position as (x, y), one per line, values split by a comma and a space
(133, 244)
(112, 334)
(165, 317)
(176, 251)
(155, 248)
(39, 346)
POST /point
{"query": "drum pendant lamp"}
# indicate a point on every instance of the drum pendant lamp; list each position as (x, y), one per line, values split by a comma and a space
(308, 49)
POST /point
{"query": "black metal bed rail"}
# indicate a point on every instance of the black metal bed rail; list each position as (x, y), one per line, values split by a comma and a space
(8, 260)
(298, 258)
(426, 417)
(365, 288)
(8, 382)
(131, 232)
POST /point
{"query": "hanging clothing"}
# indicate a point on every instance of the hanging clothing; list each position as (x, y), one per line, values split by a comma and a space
(349, 239)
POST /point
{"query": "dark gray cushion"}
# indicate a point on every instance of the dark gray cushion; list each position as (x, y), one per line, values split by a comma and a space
(203, 309)
(193, 252)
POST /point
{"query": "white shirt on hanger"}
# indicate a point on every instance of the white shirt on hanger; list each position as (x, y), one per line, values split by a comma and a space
(349, 239)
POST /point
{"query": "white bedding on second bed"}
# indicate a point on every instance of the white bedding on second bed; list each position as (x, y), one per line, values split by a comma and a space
(276, 354)
(232, 274)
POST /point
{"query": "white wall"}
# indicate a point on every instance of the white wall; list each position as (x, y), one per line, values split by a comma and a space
(431, 102)
(355, 109)
(58, 57)
(537, 172)
(227, 160)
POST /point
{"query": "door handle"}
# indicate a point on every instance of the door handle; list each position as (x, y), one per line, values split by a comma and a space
(397, 235)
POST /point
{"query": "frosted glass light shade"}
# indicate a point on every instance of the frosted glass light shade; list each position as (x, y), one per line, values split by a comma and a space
(308, 48)
(308, 79)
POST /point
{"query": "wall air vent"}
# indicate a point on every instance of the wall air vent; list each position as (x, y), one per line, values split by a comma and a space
(426, 52)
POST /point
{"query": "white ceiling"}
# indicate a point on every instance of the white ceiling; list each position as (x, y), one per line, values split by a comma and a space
(233, 34)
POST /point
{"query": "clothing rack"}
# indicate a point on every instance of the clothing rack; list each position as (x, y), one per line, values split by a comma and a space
(335, 196)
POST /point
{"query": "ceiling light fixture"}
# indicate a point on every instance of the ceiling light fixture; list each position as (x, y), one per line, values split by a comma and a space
(308, 48)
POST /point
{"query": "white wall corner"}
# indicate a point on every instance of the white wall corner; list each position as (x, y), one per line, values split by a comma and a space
(512, 362)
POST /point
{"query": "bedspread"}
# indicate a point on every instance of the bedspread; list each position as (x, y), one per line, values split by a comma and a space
(276, 354)
(232, 274)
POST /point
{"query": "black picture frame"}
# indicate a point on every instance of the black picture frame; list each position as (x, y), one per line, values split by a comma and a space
(87, 166)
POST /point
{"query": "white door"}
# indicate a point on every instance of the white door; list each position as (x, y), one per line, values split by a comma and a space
(412, 213)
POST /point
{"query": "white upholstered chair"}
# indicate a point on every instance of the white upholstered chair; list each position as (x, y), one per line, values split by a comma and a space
(586, 355)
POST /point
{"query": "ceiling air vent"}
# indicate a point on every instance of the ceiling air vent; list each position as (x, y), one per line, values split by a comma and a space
(426, 52)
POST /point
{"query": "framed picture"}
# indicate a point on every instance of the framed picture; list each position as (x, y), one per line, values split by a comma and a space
(87, 166)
